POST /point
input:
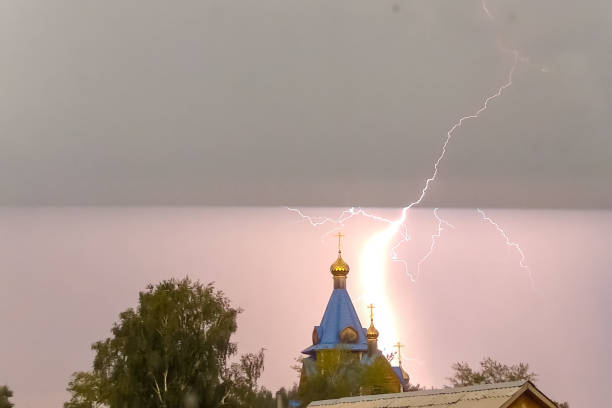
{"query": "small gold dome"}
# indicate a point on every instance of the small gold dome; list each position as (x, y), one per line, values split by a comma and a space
(372, 333)
(339, 268)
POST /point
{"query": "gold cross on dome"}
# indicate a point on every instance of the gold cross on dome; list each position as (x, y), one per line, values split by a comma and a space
(339, 235)
(371, 307)
(399, 351)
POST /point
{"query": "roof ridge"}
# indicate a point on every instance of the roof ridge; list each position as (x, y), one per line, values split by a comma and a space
(455, 390)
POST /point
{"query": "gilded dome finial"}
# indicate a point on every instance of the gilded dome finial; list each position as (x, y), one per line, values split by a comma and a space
(339, 267)
(371, 333)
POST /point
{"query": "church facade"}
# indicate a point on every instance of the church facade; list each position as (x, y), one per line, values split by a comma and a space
(341, 329)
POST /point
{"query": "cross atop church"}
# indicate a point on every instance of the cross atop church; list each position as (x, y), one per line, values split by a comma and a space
(371, 307)
(339, 235)
(399, 351)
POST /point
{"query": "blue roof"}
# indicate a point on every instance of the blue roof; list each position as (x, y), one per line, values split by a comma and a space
(400, 375)
(339, 314)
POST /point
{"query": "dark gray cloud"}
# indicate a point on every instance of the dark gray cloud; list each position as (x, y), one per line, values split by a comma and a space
(307, 103)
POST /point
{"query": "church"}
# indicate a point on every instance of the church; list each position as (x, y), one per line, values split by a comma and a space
(340, 328)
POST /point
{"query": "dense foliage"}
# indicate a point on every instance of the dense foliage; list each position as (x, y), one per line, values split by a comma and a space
(5, 394)
(339, 373)
(491, 372)
(172, 351)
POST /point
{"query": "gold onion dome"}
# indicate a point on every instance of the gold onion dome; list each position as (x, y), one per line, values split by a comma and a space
(339, 268)
(372, 333)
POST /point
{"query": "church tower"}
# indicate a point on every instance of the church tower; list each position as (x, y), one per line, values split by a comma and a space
(340, 324)
(340, 328)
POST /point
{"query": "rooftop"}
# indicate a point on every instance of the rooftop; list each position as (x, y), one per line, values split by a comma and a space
(339, 314)
(480, 396)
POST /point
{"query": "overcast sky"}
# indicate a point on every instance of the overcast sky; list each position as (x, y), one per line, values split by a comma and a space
(316, 102)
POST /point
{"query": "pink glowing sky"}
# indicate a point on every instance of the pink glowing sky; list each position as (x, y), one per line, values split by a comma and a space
(67, 273)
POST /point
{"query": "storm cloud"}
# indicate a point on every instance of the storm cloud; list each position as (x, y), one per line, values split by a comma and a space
(323, 103)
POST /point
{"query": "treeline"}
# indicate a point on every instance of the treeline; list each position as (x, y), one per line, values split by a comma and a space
(175, 350)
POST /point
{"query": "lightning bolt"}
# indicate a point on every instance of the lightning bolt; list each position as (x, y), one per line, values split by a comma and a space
(434, 237)
(398, 225)
(346, 215)
(510, 243)
(449, 135)
(400, 222)
(483, 3)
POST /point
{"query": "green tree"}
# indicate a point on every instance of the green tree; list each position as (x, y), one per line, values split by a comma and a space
(5, 394)
(338, 373)
(335, 373)
(243, 390)
(374, 378)
(85, 390)
(491, 372)
(171, 351)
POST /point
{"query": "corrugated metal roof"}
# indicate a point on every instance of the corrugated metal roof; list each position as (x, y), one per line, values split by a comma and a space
(477, 396)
